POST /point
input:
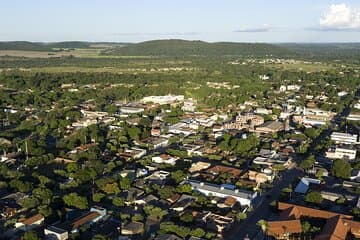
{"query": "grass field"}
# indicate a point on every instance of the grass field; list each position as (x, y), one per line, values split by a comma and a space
(80, 53)
(301, 66)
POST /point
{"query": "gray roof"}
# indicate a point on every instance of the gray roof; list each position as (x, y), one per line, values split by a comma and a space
(218, 189)
(167, 237)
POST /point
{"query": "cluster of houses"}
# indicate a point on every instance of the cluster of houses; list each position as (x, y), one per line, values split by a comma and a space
(231, 184)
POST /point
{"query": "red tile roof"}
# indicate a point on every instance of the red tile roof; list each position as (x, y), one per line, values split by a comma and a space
(279, 228)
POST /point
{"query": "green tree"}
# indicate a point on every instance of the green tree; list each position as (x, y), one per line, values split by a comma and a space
(341, 169)
(125, 183)
(155, 212)
(198, 232)
(308, 162)
(118, 202)
(43, 194)
(111, 188)
(74, 200)
(178, 176)
(97, 197)
(241, 216)
(314, 197)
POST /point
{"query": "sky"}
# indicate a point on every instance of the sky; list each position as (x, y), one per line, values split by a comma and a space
(208, 20)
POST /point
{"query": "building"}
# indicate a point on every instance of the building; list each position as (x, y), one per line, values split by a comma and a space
(304, 184)
(198, 166)
(344, 138)
(338, 152)
(337, 226)
(261, 177)
(133, 228)
(219, 169)
(54, 233)
(167, 99)
(94, 215)
(165, 158)
(353, 117)
(314, 116)
(245, 198)
(217, 222)
(32, 222)
(270, 127)
(133, 153)
(131, 110)
(181, 128)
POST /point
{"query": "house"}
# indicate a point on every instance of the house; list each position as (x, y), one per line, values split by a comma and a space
(133, 153)
(132, 228)
(261, 177)
(198, 166)
(165, 158)
(29, 223)
(189, 105)
(269, 161)
(216, 222)
(183, 202)
(158, 176)
(156, 131)
(245, 198)
(54, 233)
(148, 199)
(181, 128)
(218, 169)
(192, 149)
(270, 127)
(263, 111)
(94, 215)
(155, 142)
(304, 184)
(332, 195)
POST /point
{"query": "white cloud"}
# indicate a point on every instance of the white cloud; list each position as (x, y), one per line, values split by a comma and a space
(263, 28)
(340, 17)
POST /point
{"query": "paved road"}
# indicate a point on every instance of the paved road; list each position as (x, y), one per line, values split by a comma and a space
(248, 227)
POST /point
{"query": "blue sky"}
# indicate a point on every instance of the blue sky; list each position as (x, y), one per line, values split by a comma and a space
(209, 20)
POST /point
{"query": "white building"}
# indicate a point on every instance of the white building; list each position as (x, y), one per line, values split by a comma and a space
(314, 116)
(181, 128)
(54, 233)
(344, 138)
(131, 110)
(167, 99)
(164, 158)
(245, 198)
(341, 152)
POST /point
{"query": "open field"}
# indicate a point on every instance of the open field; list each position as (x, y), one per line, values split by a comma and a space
(307, 67)
(104, 70)
(80, 53)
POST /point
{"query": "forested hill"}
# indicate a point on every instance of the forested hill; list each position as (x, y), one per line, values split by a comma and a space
(174, 48)
(330, 51)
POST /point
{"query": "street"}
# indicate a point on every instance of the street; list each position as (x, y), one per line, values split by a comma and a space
(249, 227)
